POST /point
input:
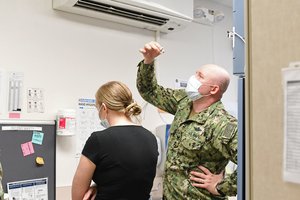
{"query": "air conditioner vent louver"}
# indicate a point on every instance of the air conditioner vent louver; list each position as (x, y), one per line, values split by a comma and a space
(117, 11)
(164, 16)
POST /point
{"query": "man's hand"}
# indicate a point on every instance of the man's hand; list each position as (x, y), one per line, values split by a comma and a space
(206, 180)
(150, 51)
(91, 193)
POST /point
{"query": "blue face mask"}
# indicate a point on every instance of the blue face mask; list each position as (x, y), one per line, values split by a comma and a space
(103, 122)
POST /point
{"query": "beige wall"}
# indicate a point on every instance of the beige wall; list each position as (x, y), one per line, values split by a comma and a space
(274, 41)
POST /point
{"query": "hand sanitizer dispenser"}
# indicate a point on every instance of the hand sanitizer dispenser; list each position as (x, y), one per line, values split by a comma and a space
(66, 122)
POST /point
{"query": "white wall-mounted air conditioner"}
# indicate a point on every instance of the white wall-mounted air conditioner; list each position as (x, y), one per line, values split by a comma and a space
(157, 15)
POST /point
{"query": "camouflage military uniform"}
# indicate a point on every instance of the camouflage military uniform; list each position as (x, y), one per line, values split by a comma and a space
(208, 138)
(1, 189)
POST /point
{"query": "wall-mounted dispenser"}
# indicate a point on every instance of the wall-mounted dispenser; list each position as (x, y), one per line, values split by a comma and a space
(66, 122)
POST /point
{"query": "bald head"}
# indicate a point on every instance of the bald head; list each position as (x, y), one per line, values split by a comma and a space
(216, 75)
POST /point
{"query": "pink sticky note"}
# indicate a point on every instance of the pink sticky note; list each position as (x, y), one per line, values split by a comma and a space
(14, 115)
(27, 148)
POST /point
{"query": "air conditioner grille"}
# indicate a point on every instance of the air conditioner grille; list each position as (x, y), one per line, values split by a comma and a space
(117, 11)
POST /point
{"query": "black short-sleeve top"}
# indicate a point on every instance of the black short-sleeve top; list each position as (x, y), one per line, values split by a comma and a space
(125, 159)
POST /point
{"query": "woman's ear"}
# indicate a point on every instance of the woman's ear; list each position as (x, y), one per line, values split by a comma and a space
(104, 106)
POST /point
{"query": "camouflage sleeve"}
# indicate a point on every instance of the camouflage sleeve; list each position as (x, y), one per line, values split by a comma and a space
(228, 186)
(228, 147)
(164, 98)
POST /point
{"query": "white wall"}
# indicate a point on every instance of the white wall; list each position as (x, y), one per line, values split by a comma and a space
(70, 56)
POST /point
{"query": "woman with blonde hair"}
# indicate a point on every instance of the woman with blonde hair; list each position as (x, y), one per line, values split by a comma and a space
(120, 159)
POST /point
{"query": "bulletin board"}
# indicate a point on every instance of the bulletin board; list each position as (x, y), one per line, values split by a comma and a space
(17, 166)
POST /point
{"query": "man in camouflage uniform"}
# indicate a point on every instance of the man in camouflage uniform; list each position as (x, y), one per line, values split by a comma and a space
(1, 189)
(203, 136)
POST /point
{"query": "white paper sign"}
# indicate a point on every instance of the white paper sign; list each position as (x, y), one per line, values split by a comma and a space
(35, 189)
(21, 128)
(87, 122)
(291, 87)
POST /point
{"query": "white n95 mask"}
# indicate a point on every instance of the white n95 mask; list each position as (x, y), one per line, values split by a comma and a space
(192, 87)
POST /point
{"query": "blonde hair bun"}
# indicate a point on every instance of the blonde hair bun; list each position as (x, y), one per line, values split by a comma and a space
(133, 109)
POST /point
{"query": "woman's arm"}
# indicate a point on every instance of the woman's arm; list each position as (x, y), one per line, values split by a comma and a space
(82, 178)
